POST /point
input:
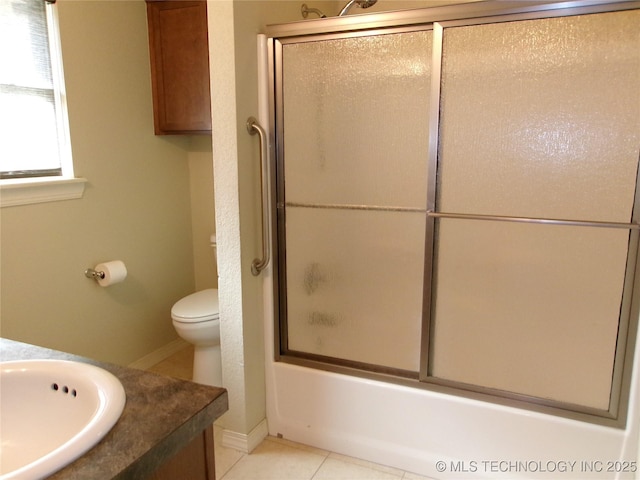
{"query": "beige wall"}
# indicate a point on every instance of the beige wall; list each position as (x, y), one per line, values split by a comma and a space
(136, 206)
(203, 220)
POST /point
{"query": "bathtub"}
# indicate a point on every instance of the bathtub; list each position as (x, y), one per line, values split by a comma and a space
(438, 435)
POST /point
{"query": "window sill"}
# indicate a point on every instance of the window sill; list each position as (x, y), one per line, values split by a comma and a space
(29, 191)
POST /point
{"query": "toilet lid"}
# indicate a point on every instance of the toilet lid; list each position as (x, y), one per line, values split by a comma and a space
(197, 307)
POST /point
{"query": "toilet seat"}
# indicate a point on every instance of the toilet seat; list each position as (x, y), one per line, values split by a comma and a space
(198, 307)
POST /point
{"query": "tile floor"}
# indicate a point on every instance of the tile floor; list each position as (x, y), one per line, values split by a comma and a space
(277, 458)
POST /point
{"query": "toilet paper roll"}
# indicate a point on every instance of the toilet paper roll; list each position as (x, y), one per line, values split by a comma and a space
(114, 272)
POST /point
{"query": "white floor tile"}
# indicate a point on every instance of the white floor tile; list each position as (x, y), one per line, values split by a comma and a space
(276, 461)
(225, 458)
(413, 476)
(364, 463)
(333, 469)
(179, 365)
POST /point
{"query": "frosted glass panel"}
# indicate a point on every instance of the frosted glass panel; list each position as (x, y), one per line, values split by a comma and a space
(355, 120)
(354, 284)
(529, 309)
(355, 149)
(541, 118)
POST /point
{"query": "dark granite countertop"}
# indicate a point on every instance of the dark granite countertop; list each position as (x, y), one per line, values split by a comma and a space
(161, 416)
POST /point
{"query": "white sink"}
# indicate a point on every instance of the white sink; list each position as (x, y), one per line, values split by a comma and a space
(52, 412)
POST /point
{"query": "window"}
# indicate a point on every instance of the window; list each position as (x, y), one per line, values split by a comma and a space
(33, 118)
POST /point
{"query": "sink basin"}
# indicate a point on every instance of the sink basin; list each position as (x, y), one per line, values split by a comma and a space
(52, 412)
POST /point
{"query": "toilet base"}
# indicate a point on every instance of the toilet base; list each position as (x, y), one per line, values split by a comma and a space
(207, 365)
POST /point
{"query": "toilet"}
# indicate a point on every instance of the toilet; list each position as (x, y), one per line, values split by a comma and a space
(196, 319)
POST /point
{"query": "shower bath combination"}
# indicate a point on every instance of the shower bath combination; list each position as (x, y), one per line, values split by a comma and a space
(382, 333)
(305, 10)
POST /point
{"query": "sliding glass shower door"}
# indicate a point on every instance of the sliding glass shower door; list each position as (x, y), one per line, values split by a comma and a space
(354, 170)
(457, 203)
(539, 119)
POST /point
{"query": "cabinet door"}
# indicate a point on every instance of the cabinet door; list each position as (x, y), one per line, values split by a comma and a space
(179, 52)
(193, 462)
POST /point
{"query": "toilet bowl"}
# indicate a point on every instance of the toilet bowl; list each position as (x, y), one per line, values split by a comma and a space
(196, 319)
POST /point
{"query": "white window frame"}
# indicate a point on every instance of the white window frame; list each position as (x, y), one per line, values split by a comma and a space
(24, 191)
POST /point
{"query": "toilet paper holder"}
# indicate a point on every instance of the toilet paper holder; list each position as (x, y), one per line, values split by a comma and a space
(91, 273)
(107, 273)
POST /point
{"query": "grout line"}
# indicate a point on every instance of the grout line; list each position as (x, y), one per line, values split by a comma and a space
(378, 467)
(231, 467)
(319, 467)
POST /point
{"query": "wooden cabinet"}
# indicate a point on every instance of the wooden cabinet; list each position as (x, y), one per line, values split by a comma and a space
(193, 462)
(179, 50)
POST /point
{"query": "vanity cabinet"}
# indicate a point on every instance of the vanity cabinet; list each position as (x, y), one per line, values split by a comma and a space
(179, 51)
(193, 462)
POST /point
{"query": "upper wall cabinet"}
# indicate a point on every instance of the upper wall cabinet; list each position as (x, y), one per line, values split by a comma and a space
(179, 52)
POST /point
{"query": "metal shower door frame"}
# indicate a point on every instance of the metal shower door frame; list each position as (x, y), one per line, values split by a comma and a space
(276, 105)
(438, 19)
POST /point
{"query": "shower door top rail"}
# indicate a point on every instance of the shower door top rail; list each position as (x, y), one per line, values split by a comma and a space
(545, 221)
(367, 21)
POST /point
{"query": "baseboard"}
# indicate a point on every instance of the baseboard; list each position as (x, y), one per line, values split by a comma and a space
(159, 355)
(245, 442)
